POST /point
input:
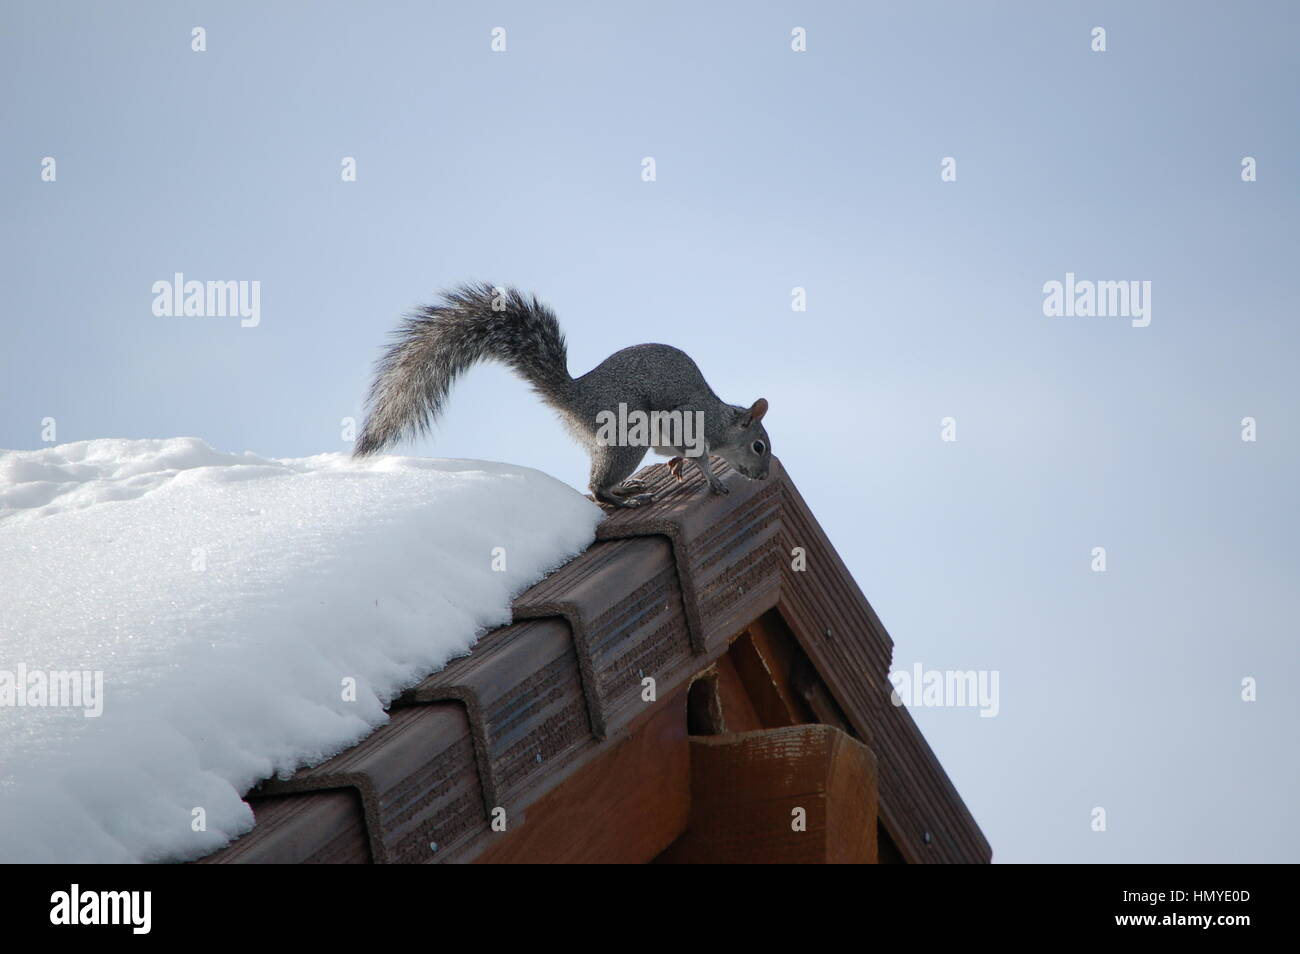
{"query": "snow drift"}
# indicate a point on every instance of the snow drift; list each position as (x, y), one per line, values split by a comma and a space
(228, 601)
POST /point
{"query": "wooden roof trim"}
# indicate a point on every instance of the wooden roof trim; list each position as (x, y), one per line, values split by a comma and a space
(662, 592)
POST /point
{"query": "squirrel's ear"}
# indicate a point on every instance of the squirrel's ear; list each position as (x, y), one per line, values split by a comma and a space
(756, 412)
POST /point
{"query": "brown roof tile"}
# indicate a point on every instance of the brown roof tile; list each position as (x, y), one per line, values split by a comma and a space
(662, 592)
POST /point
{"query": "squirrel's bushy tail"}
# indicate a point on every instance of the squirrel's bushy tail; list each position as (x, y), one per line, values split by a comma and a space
(438, 342)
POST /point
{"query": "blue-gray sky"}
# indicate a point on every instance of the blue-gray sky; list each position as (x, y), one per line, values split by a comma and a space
(775, 169)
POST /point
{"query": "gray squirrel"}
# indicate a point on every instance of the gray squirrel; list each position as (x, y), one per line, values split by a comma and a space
(478, 322)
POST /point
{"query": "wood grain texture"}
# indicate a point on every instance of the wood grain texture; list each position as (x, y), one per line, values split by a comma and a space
(623, 808)
(738, 712)
(325, 827)
(749, 789)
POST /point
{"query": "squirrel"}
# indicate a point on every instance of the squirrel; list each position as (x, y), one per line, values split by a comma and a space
(478, 322)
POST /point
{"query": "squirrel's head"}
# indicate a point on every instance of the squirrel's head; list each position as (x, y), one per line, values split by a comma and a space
(745, 446)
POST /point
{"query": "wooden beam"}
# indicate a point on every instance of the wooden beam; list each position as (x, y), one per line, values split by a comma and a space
(738, 714)
(764, 682)
(750, 790)
(625, 807)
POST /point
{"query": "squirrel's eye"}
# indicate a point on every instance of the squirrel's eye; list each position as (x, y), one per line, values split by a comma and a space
(759, 448)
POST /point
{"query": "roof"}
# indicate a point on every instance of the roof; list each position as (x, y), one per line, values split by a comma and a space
(663, 593)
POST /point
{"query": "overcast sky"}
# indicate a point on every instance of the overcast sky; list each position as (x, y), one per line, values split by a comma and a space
(775, 169)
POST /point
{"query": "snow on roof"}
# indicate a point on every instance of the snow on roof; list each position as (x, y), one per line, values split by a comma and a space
(227, 601)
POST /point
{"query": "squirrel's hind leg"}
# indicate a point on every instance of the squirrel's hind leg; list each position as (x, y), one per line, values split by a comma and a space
(617, 500)
(610, 468)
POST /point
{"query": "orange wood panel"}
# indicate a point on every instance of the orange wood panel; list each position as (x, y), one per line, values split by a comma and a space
(623, 808)
(749, 789)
